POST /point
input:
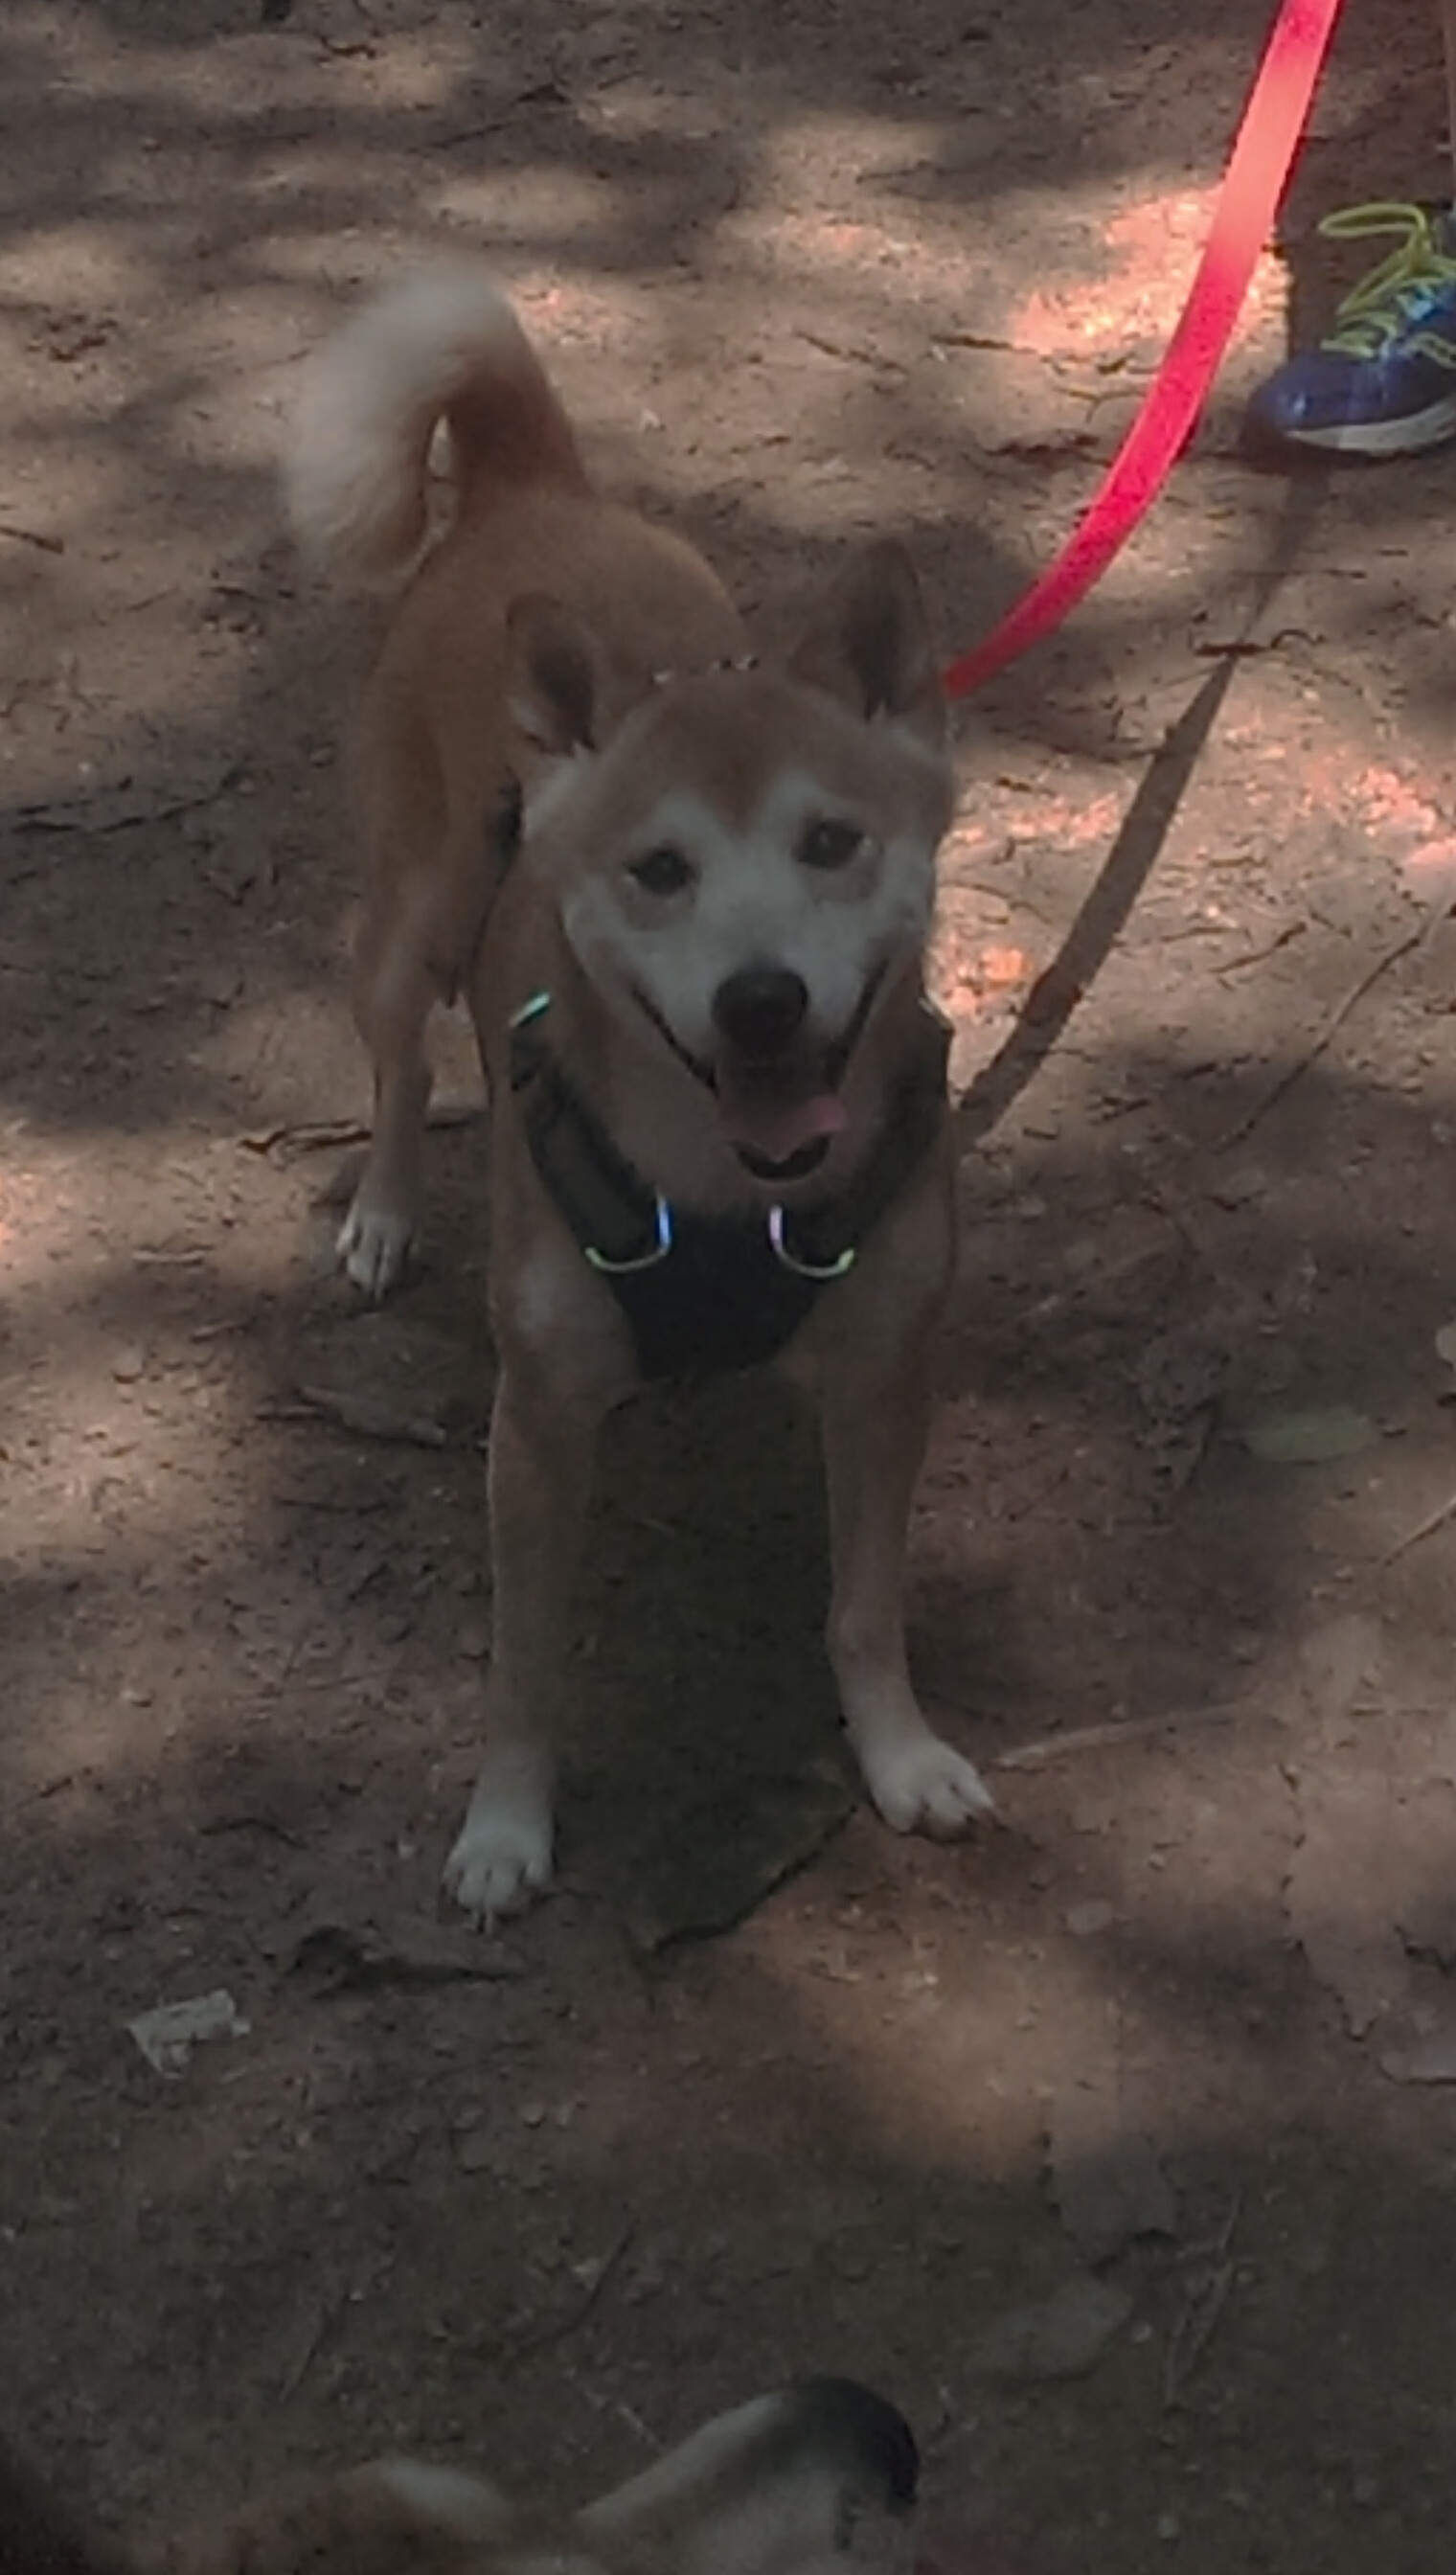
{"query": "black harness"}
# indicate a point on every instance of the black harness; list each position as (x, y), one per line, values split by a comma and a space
(706, 1294)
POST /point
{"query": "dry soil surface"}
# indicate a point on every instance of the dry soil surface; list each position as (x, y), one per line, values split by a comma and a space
(1119, 2144)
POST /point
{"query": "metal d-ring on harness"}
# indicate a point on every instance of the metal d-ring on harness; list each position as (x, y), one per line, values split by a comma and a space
(662, 1244)
(821, 1270)
(701, 1294)
(609, 1265)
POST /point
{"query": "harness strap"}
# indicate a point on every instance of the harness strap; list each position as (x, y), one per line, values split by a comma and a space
(704, 1294)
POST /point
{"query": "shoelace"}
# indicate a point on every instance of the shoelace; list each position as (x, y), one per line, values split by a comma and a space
(1383, 305)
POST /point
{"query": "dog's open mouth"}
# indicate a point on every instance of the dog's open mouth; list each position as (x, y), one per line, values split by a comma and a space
(781, 1111)
(778, 1113)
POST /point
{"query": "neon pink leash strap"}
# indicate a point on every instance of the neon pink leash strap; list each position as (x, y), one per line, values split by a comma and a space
(1254, 181)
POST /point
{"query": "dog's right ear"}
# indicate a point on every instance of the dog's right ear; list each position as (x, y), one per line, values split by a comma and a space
(566, 690)
(553, 676)
(868, 645)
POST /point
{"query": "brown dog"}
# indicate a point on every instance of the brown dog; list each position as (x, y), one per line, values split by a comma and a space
(816, 2480)
(688, 899)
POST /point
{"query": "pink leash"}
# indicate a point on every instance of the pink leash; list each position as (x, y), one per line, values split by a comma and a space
(1254, 181)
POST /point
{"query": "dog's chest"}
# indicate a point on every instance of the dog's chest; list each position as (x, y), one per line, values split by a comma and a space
(706, 1294)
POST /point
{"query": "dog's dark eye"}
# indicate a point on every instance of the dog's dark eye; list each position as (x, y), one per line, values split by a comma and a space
(661, 872)
(830, 845)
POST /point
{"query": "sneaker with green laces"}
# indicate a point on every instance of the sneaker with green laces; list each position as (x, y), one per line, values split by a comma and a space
(1383, 381)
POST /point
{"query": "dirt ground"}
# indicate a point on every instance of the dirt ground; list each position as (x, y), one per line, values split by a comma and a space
(1119, 2144)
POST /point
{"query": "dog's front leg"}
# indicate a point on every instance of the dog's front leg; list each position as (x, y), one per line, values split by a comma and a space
(542, 1443)
(875, 1434)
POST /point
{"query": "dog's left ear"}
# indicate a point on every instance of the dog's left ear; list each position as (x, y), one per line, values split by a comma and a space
(869, 643)
(564, 689)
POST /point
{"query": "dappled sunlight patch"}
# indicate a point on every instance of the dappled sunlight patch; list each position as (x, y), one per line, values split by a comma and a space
(1103, 1947)
(102, 1736)
(569, 207)
(1143, 1957)
(1124, 318)
(1387, 802)
(95, 263)
(933, 269)
(35, 1222)
(969, 974)
(1074, 823)
(562, 310)
(941, 2047)
(146, 1420)
(419, 72)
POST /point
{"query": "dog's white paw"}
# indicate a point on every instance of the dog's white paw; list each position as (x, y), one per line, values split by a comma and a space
(374, 1245)
(501, 1859)
(926, 1786)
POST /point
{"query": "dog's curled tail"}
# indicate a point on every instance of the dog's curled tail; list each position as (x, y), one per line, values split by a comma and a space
(443, 345)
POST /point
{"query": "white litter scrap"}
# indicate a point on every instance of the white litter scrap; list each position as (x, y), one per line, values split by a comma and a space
(168, 2034)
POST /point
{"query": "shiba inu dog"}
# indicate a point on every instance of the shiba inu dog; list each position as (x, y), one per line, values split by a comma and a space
(816, 2480)
(687, 896)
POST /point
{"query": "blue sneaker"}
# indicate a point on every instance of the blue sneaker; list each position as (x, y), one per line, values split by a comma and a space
(1383, 381)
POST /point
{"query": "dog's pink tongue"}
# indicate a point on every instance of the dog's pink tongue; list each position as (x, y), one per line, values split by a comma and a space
(777, 1110)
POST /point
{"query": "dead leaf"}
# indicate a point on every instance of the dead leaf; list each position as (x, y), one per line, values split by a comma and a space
(1085, 1920)
(374, 1416)
(168, 2033)
(388, 1376)
(1428, 2060)
(1309, 1439)
(1060, 2336)
(336, 1959)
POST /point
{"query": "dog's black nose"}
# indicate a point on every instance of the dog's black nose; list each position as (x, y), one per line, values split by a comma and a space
(761, 1009)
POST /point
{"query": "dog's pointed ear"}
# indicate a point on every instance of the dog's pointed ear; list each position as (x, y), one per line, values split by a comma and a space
(868, 643)
(554, 675)
(566, 689)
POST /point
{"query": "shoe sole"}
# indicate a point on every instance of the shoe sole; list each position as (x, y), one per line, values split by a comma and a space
(1378, 437)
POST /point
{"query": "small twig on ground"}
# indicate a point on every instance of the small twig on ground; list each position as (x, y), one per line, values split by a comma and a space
(32, 536)
(1244, 646)
(559, 2327)
(326, 2316)
(1284, 937)
(322, 1135)
(1095, 1738)
(1427, 1528)
(368, 1419)
(1203, 2303)
(1284, 1082)
(850, 354)
(90, 813)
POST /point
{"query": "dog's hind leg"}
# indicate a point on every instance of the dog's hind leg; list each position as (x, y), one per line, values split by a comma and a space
(394, 993)
(419, 933)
